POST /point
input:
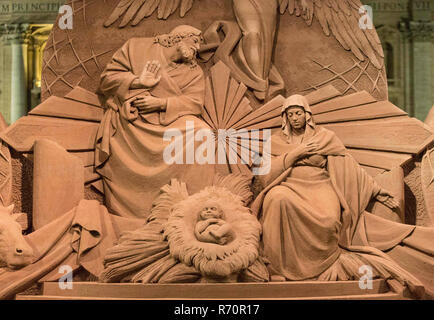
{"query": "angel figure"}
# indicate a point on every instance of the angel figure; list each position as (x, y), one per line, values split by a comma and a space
(248, 48)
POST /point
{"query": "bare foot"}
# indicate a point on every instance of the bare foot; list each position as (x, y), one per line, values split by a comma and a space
(277, 278)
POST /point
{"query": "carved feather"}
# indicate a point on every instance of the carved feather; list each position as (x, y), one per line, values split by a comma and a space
(328, 14)
(320, 14)
(340, 18)
(283, 4)
(145, 11)
(131, 12)
(134, 11)
(348, 34)
(291, 7)
(163, 8)
(120, 9)
(175, 5)
(186, 5)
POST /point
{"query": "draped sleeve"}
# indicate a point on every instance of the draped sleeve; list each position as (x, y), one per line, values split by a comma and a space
(117, 76)
(355, 188)
(189, 102)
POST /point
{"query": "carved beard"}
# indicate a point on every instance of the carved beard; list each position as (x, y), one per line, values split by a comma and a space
(188, 54)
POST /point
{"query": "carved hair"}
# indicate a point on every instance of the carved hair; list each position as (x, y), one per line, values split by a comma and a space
(177, 35)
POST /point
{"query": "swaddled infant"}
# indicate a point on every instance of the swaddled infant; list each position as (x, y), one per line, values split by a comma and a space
(211, 226)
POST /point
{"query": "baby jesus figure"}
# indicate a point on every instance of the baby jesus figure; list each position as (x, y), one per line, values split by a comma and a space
(211, 226)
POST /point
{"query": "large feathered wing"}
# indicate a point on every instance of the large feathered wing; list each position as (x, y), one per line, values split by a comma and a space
(341, 19)
(136, 10)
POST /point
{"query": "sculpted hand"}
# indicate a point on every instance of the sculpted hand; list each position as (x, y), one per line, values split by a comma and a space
(386, 198)
(306, 149)
(149, 104)
(149, 78)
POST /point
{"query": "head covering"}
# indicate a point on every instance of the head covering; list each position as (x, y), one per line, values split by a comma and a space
(177, 34)
(298, 101)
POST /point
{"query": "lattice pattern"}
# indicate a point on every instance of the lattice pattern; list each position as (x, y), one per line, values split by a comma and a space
(350, 84)
(67, 42)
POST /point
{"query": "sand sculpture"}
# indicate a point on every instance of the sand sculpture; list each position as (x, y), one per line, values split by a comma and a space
(237, 141)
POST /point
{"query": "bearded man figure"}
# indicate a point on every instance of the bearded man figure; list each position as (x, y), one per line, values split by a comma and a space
(152, 85)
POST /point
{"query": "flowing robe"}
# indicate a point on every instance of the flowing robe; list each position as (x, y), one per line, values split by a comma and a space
(130, 145)
(315, 225)
(246, 47)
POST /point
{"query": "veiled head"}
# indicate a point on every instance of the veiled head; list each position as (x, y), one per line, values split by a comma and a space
(296, 114)
(296, 117)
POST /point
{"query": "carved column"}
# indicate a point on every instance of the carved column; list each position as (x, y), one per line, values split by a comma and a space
(38, 40)
(408, 67)
(14, 49)
(422, 33)
(417, 37)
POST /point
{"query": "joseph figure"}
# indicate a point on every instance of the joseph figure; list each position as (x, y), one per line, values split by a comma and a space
(152, 85)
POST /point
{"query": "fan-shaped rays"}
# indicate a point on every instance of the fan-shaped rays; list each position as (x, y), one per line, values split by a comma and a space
(238, 129)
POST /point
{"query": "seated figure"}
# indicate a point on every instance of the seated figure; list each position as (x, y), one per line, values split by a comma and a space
(152, 86)
(313, 210)
(211, 227)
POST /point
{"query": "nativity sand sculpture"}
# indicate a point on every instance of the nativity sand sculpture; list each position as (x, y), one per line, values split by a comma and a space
(125, 215)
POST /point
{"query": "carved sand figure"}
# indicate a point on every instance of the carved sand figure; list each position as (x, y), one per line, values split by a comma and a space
(313, 199)
(15, 252)
(316, 195)
(167, 250)
(211, 226)
(248, 47)
(152, 85)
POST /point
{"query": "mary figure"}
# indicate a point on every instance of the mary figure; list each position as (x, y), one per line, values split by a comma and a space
(313, 210)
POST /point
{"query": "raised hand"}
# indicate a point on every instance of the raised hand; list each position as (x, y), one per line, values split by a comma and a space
(386, 198)
(149, 77)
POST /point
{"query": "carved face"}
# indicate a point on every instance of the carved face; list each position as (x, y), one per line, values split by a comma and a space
(15, 252)
(211, 210)
(188, 48)
(296, 117)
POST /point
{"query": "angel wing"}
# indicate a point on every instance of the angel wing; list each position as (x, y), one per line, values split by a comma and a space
(137, 10)
(340, 18)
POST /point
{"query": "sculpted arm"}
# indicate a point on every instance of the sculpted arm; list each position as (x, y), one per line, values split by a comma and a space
(190, 102)
(201, 226)
(378, 193)
(285, 161)
(117, 76)
(277, 167)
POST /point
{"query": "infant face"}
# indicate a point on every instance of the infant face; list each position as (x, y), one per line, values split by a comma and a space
(211, 211)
